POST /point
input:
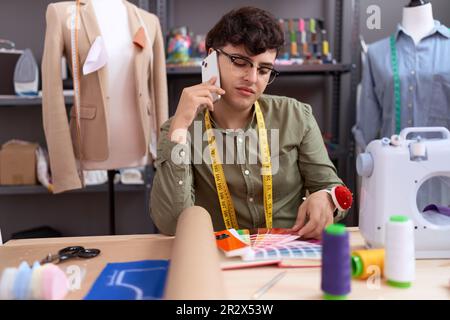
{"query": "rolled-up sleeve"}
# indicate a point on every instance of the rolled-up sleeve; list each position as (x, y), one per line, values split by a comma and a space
(173, 188)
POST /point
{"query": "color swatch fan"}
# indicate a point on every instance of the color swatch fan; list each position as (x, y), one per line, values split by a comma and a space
(262, 237)
(259, 247)
(288, 250)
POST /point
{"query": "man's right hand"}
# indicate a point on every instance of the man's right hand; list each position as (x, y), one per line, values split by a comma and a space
(191, 101)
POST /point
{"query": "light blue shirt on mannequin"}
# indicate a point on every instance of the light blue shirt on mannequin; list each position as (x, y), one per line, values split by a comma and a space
(424, 71)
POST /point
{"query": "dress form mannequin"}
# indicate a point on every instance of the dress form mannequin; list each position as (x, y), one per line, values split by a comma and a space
(124, 135)
(107, 89)
(423, 74)
(418, 22)
(417, 19)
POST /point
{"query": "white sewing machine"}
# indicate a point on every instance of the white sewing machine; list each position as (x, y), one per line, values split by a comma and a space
(402, 177)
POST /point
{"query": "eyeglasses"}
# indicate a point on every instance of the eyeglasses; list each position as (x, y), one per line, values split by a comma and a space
(244, 64)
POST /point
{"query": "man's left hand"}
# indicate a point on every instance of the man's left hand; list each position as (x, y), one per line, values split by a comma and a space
(313, 215)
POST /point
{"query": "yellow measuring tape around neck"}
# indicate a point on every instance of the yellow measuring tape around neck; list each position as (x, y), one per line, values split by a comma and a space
(223, 193)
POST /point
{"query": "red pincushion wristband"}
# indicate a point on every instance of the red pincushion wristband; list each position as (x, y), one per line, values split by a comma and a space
(342, 197)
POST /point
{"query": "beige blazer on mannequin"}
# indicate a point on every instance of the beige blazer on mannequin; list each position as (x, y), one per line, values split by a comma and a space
(150, 84)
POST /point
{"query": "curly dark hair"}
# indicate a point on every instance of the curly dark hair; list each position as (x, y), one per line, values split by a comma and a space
(256, 29)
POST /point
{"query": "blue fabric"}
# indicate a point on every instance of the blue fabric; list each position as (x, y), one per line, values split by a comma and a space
(138, 280)
(424, 83)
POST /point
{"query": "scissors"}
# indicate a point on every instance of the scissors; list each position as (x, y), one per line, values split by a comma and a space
(70, 252)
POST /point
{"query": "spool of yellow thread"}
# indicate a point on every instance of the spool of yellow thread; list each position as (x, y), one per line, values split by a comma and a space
(325, 48)
(362, 260)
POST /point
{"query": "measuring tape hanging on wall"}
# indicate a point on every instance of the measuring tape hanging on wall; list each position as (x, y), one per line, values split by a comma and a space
(225, 200)
(397, 92)
(74, 32)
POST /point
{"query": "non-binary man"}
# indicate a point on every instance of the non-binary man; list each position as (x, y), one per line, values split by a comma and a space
(249, 159)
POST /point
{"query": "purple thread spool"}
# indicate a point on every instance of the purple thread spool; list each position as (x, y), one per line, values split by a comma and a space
(336, 270)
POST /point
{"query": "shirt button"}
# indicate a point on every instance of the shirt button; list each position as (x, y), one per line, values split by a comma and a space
(411, 88)
(180, 182)
(246, 172)
(409, 122)
(413, 72)
(410, 105)
(250, 199)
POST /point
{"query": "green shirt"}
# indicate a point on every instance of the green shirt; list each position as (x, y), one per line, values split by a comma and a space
(300, 163)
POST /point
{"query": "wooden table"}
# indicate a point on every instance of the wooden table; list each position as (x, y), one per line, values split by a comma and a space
(432, 276)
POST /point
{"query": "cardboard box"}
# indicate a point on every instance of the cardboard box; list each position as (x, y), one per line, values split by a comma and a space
(18, 163)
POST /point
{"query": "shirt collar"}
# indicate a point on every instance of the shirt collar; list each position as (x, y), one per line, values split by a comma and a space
(438, 27)
(250, 124)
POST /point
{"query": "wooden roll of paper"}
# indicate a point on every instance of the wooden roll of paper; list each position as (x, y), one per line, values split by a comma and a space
(194, 271)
